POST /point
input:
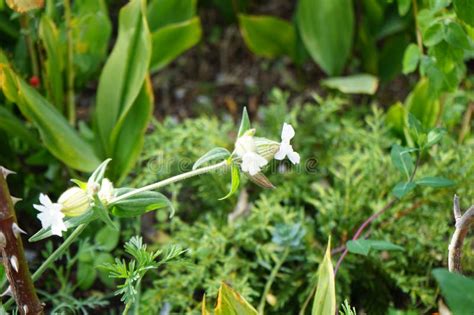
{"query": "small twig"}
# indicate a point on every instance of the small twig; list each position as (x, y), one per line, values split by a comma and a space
(13, 257)
(463, 222)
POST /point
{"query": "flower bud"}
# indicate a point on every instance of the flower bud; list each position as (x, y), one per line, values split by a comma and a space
(266, 148)
(106, 192)
(74, 202)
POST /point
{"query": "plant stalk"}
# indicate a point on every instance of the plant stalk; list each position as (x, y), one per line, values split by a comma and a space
(463, 223)
(70, 104)
(25, 28)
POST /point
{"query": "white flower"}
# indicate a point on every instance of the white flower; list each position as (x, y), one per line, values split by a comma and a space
(74, 202)
(252, 163)
(106, 192)
(50, 215)
(286, 150)
(245, 144)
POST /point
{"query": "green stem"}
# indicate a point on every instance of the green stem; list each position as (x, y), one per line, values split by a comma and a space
(419, 39)
(25, 28)
(170, 180)
(271, 279)
(71, 108)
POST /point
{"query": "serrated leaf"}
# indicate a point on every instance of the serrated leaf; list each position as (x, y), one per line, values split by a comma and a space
(435, 181)
(402, 159)
(230, 302)
(325, 296)
(327, 29)
(140, 203)
(244, 123)
(411, 58)
(457, 289)
(401, 189)
(212, 155)
(235, 181)
(363, 247)
(354, 84)
(268, 36)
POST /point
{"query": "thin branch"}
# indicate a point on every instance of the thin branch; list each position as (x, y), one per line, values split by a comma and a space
(463, 223)
(13, 256)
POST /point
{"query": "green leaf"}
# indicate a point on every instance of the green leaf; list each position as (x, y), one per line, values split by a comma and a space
(433, 34)
(123, 75)
(86, 275)
(230, 302)
(15, 127)
(57, 135)
(433, 181)
(212, 155)
(268, 36)
(54, 64)
(456, 36)
(363, 247)
(172, 40)
(403, 6)
(91, 31)
(97, 175)
(354, 84)
(161, 13)
(457, 290)
(411, 58)
(107, 238)
(396, 118)
(423, 104)
(402, 159)
(325, 297)
(434, 136)
(235, 181)
(401, 189)
(244, 123)
(129, 142)
(465, 10)
(140, 203)
(327, 29)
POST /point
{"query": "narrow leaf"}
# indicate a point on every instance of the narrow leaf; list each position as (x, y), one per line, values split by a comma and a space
(433, 181)
(212, 155)
(235, 181)
(401, 189)
(244, 123)
(140, 203)
(363, 247)
(325, 297)
(230, 302)
(402, 159)
(354, 84)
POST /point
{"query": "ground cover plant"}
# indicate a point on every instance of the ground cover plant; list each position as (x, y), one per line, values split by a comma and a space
(236, 157)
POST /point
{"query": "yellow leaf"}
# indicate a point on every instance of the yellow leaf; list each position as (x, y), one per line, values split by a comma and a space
(25, 5)
(230, 302)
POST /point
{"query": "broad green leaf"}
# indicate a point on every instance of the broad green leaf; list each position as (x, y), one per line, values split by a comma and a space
(172, 40)
(54, 64)
(403, 6)
(244, 123)
(327, 28)
(434, 136)
(325, 297)
(433, 181)
(14, 126)
(230, 302)
(212, 155)
(123, 75)
(423, 104)
(363, 247)
(401, 189)
(107, 238)
(402, 159)
(161, 13)
(354, 84)
(91, 31)
(23, 6)
(268, 36)
(396, 118)
(86, 275)
(433, 34)
(57, 135)
(235, 181)
(456, 36)
(140, 203)
(465, 10)
(411, 58)
(457, 289)
(129, 141)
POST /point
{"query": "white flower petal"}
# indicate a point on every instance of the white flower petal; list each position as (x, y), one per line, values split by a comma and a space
(50, 215)
(285, 147)
(287, 133)
(44, 200)
(106, 191)
(294, 157)
(252, 163)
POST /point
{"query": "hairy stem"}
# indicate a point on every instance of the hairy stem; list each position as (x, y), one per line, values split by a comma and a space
(71, 107)
(170, 180)
(463, 223)
(271, 279)
(13, 256)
